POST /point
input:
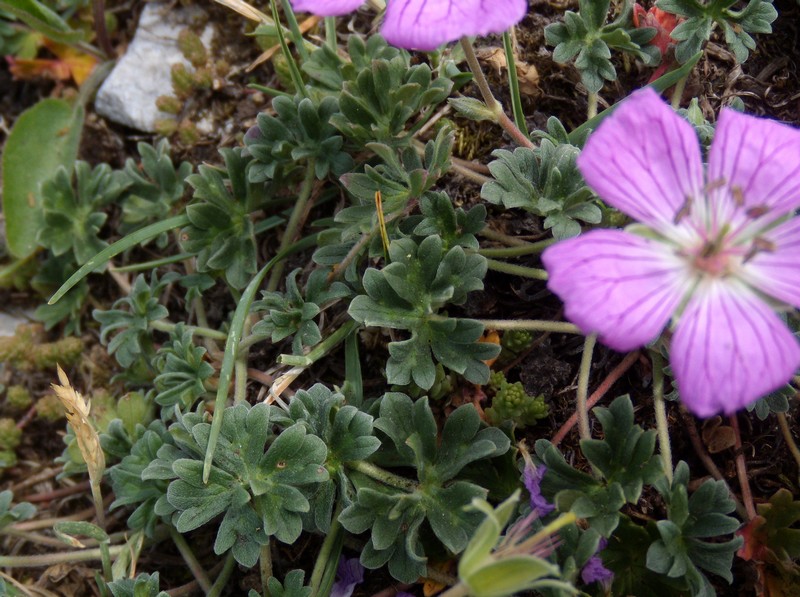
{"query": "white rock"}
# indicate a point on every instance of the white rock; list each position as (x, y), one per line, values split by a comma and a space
(9, 322)
(128, 95)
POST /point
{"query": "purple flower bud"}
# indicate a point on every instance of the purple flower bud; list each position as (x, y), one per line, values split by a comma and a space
(594, 571)
(532, 477)
(349, 574)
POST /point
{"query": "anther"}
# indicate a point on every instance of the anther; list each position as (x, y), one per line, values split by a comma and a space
(760, 245)
(684, 211)
(738, 195)
(757, 211)
(715, 184)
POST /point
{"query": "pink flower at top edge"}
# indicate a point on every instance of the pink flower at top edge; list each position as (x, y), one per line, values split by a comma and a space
(716, 249)
(427, 24)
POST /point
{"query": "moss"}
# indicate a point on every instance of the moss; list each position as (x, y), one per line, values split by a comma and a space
(18, 397)
(10, 434)
(49, 408)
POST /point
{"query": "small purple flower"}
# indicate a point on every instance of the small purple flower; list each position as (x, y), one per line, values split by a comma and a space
(427, 24)
(532, 477)
(349, 573)
(593, 570)
(715, 252)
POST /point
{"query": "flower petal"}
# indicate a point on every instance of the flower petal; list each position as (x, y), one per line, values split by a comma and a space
(776, 270)
(326, 8)
(730, 349)
(644, 160)
(427, 24)
(760, 159)
(622, 286)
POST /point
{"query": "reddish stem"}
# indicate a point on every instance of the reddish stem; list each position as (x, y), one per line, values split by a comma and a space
(741, 470)
(601, 390)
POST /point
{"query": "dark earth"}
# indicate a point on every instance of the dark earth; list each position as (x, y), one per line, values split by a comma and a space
(768, 84)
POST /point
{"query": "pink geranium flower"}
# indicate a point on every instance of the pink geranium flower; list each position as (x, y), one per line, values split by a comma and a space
(427, 24)
(716, 251)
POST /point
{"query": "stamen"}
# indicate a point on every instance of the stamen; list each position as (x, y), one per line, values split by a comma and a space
(757, 211)
(684, 211)
(760, 245)
(738, 195)
(715, 184)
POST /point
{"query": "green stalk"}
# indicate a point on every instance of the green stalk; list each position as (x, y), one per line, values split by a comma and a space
(321, 349)
(662, 425)
(591, 109)
(330, 33)
(115, 249)
(489, 99)
(232, 347)
(294, 71)
(146, 266)
(513, 84)
(265, 567)
(511, 241)
(517, 270)
(222, 580)
(169, 327)
(385, 477)
(531, 325)
(517, 251)
(293, 224)
(583, 386)
(677, 93)
(51, 559)
(105, 559)
(192, 563)
(294, 29)
(325, 567)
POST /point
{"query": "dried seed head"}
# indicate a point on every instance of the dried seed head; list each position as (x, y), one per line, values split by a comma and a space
(77, 409)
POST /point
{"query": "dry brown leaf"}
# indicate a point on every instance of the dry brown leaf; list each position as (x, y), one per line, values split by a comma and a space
(527, 74)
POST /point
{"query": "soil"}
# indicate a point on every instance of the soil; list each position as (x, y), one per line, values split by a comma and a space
(768, 84)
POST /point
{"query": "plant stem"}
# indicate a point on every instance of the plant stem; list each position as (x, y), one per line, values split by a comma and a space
(531, 325)
(97, 498)
(105, 559)
(385, 477)
(488, 98)
(265, 567)
(677, 93)
(169, 327)
(700, 450)
(787, 435)
(148, 265)
(293, 225)
(51, 559)
(601, 390)
(741, 469)
(99, 15)
(517, 251)
(513, 82)
(331, 548)
(591, 109)
(511, 241)
(321, 349)
(583, 386)
(517, 270)
(330, 33)
(222, 579)
(240, 368)
(191, 560)
(662, 424)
